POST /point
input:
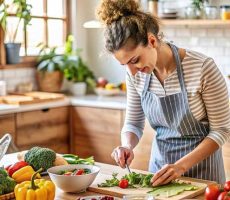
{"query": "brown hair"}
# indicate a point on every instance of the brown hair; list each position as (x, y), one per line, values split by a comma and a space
(124, 20)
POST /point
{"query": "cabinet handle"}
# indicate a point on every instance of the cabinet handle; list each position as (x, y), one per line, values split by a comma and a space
(45, 110)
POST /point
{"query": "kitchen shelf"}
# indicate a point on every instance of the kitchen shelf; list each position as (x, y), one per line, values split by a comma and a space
(195, 22)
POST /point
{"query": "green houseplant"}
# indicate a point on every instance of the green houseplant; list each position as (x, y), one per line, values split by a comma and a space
(49, 70)
(76, 71)
(23, 13)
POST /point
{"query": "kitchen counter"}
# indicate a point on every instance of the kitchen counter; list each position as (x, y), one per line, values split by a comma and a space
(112, 102)
(105, 168)
(116, 102)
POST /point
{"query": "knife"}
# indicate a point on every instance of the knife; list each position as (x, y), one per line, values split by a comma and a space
(127, 167)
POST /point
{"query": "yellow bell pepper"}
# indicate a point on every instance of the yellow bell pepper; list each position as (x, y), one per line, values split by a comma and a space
(39, 189)
(24, 174)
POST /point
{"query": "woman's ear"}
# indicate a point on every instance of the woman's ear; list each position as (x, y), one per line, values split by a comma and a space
(152, 41)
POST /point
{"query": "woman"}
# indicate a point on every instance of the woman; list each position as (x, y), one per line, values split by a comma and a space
(181, 92)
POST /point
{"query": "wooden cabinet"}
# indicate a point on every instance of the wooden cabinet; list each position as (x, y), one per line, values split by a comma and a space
(7, 125)
(143, 149)
(226, 156)
(45, 128)
(96, 132)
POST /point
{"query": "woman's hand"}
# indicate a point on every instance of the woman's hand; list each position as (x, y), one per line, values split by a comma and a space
(121, 155)
(166, 174)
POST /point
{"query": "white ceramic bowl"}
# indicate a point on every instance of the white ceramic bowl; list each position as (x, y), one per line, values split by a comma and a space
(78, 183)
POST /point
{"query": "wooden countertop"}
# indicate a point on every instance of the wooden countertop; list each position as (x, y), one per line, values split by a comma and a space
(12, 158)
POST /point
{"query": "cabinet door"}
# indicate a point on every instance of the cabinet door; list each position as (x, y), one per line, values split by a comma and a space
(96, 132)
(45, 128)
(143, 149)
(226, 157)
(7, 125)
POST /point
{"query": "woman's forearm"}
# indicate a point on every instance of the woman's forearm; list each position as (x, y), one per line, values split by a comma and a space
(129, 140)
(202, 151)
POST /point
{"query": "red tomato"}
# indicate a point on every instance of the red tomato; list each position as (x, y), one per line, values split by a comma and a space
(224, 196)
(212, 192)
(227, 186)
(123, 183)
(80, 172)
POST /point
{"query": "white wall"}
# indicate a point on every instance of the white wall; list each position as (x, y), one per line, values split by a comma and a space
(213, 41)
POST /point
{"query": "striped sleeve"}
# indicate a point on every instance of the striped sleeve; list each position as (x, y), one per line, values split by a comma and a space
(134, 118)
(216, 100)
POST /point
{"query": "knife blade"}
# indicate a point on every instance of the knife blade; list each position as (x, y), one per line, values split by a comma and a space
(127, 167)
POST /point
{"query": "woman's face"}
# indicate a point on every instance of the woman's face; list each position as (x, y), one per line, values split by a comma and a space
(140, 58)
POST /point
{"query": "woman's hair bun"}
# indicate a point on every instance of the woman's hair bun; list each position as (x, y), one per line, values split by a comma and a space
(112, 10)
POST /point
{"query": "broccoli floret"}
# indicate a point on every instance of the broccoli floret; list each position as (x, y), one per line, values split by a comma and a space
(10, 183)
(3, 172)
(7, 184)
(39, 157)
(1, 189)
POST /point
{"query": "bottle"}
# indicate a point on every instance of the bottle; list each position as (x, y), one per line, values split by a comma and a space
(225, 12)
(153, 7)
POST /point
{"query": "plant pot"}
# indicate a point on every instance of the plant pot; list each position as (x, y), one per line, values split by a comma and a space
(78, 89)
(12, 53)
(49, 81)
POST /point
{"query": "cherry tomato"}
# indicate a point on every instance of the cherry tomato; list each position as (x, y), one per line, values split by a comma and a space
(123, 183)
(212, 192)
(224, 196)
(227, 186)
(80, 172)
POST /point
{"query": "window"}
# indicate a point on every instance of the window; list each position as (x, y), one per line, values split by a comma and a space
(48, 26)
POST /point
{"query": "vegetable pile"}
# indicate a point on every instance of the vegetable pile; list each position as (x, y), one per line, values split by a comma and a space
(74, 172)
(137, 180)
(7, 183)
(21, 171)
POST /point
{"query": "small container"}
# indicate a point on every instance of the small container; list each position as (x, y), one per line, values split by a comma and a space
(153, 7)
(2, 88)
(225, 12)
(211, 12)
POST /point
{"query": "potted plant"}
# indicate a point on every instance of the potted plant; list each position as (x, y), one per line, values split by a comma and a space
(23, 12)
(196, 10)
(76, 71)
(49, 70)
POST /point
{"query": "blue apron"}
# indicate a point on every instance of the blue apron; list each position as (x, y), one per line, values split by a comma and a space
(177, 130)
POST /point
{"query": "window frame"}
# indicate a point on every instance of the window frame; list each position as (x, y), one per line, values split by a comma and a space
(31, 60)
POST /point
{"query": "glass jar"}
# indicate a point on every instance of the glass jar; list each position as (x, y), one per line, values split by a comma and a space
(191, 12)
(210, 12)
(225, 12)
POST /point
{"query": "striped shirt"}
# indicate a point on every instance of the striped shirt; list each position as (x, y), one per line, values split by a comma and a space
(207, 95)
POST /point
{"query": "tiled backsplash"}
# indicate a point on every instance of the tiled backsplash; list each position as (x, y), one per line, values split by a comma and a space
(211, 41)
(13, 77)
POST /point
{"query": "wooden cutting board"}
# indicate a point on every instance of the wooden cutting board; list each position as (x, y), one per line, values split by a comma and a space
(119, 192)
(31, 97)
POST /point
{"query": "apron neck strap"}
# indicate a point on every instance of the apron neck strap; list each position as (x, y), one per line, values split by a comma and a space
(147, 81)
(179, 68)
